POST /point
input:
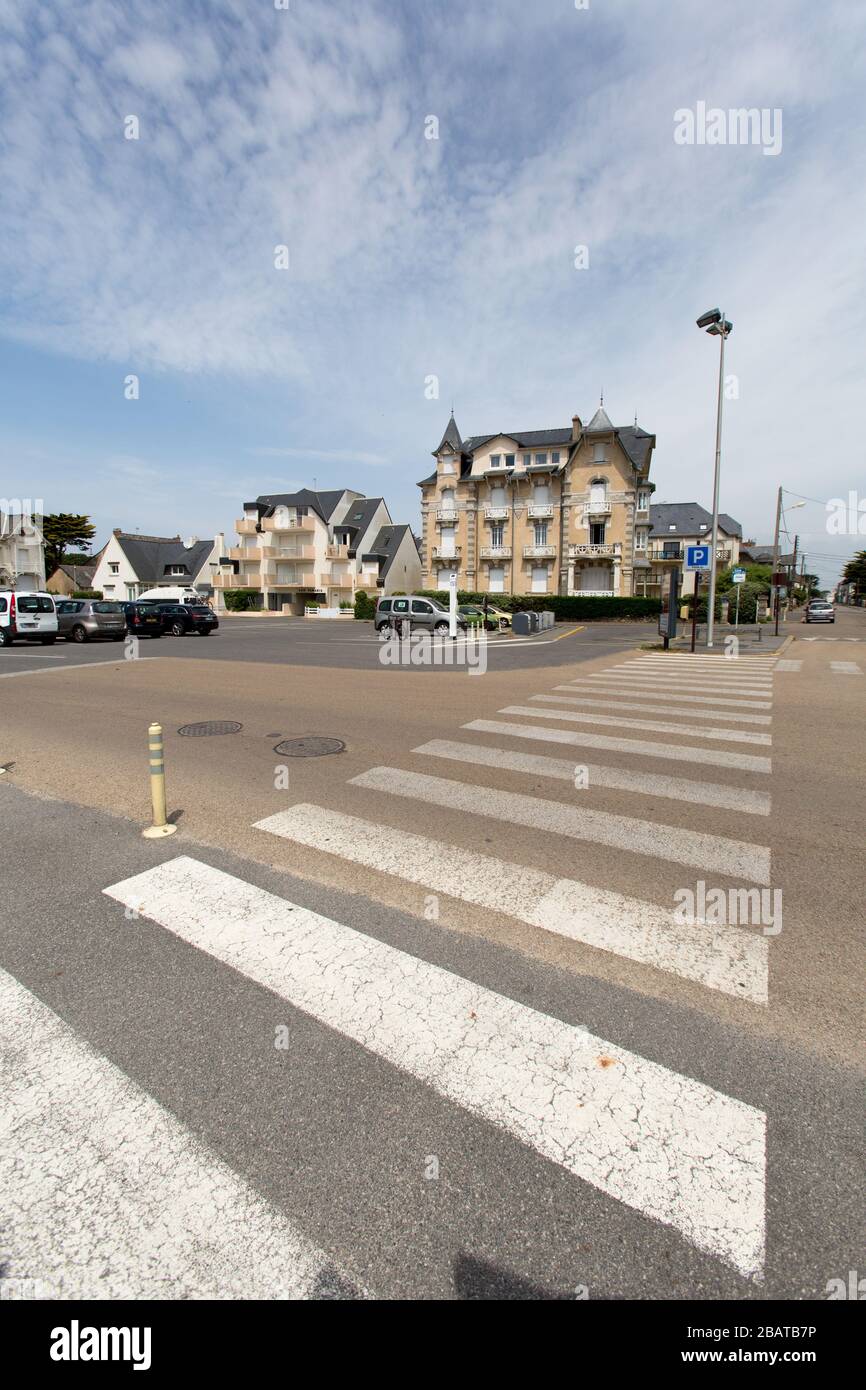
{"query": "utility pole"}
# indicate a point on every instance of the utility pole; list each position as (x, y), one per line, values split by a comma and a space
(775, 590)
(793, 569)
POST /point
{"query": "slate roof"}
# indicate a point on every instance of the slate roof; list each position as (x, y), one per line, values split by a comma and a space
(636, 442)
(302, 498)
(386, 545)
(359, 516)
(688, 519)
(152, 557)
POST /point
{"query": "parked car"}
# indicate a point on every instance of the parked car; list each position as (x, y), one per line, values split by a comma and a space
(820, 610)
(142, 619)
(27, 617)
(418, 614)
(182, 618)
(79, 619)
(475, 617)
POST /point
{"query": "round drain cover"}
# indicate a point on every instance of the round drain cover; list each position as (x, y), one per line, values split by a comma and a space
(309, 747)
(211, 726)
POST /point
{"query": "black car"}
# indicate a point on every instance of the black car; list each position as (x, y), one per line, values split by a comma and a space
(182, 618)
(142, 620)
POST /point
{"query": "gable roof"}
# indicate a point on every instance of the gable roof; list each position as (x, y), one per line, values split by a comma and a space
(688, 519)
(386, 545)
(636, 442)
(152, 557)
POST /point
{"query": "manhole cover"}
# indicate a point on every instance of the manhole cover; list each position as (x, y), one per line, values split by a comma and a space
(309, 747)
(211, 726)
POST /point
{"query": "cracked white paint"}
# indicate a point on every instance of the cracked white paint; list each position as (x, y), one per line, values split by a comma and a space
(599, 775)
(729, 959)
(671, 752)
(738, 858)
(106, 1195)
(733, 716)
(670, 1147)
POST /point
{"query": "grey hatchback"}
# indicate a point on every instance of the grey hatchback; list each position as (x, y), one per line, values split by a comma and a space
(79, 619)
(418, 614)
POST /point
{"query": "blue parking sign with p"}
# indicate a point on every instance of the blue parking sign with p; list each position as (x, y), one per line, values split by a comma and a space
(697, 557)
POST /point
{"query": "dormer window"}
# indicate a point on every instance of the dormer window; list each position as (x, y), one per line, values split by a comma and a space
(527, 460)
(554, 458)
(509, 460)
(541, 460)
(672, 526)
(495, 460)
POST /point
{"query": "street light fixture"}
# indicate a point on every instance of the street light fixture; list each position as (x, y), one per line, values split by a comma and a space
(719, 327)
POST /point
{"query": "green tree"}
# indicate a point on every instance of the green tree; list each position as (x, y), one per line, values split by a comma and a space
(61, 530)
(855, 571)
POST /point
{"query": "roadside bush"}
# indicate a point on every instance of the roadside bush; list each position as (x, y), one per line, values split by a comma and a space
(568, 608)
(365, 607)
(240, 600)
(84, 593)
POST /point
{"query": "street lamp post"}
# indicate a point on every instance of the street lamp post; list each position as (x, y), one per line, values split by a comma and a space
(716, 324)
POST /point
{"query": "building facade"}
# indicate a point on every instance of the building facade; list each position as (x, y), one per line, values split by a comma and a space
(22, 552)
(131, 564)
(559, 511)
(675, 525)
(317, 548)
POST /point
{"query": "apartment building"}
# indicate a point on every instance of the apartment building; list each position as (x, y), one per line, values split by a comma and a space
(673, 526)
(302, 548)
(22, 552)
(559, 511)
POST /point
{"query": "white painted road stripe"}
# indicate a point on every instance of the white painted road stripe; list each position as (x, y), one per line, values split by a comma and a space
(672, 752)
(732, 715)
(587, 687)
(75, 666)
(737, 858)
(598, 775)
(711, 678)
(789, 665)
(668, 1146)
(108, 1196)
(689, 686)
(845, 668)
(656, 726)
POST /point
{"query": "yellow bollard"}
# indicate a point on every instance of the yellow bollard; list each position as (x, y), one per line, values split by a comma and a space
(157, 785)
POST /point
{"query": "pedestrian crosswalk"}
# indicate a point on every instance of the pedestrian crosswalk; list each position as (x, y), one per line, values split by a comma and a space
(665, 1145)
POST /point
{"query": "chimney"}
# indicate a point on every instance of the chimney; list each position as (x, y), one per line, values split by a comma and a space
(576, 427)
(118, 531)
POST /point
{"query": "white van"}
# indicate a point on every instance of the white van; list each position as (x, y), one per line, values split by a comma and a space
(27, 617)
(177, 593)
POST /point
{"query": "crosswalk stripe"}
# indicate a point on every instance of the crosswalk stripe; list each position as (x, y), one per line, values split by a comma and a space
(729, 959)
(673, 752)
(733, 715)
(690, 686)
(663, 1144)
(587, 687)
(738, 858)
(789, 665)
(712, 679)
(108, 1196)
(657, 726)
(845, 668)
(598, 775)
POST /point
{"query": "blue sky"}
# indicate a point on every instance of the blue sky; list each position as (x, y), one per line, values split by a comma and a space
(411, 257)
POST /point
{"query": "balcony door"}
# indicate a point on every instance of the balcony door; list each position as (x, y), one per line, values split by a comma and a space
(447, 541)
(496, 579)
(539, 579)
(597, 496)
(596, 577)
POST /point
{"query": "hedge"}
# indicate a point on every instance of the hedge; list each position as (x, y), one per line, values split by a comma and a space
(84, 593)
(567, 608)
(239, 600)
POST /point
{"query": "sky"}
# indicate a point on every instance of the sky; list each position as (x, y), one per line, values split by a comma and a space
(424, 272)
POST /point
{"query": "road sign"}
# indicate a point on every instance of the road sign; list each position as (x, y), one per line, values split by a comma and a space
(739, 576)
(697, 557)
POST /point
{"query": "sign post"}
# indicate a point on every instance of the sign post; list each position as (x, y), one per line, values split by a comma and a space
(697, 561)
(739, 577)
(452, 606)
(668, 616)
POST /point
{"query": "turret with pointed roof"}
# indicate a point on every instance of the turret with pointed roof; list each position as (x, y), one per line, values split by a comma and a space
(451, 438)
(600, 423)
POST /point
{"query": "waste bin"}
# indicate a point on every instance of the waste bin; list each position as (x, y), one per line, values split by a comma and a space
(524, 624)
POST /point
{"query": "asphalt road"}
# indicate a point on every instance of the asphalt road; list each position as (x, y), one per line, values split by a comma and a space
(178, 984)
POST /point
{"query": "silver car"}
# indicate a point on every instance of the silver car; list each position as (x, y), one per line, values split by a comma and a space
(413, 613)
(79, 619)
(820, 611)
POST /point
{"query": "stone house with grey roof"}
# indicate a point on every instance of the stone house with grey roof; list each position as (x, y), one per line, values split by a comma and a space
(309, 548)
(673, 526)
(556, 511)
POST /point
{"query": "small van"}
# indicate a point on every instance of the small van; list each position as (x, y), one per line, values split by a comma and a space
(27, 617)
(417, 613)
(177, 593)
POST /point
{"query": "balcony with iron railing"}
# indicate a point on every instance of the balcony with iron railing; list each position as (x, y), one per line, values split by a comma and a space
(539, 510)
(495, 552)
(598, 508)
(595, 552)
(496, 513)
(446, 516)
(539, 552)
(441, 557)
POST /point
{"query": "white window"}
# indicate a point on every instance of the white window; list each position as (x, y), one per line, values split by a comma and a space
(539, 579)
(527, 459)
(598, 453)
(497, 534)
(495, 460)
(447, 466)
(448, 496)
(509, 460)
(496, 579)
(643, 501)
(554, 458)
(541, 494)
(541, 458)
(497, 497)
(114, 568)
(446, 546)
(640, 540)
(540, 533)
(597, 496)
